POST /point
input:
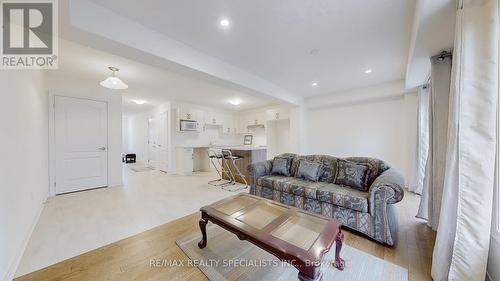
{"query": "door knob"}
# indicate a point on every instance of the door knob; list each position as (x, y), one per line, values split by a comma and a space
(102, 148)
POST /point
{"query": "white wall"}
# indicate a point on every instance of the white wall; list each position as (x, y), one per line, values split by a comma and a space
(64, 86)
(24, 167)
(278, 137)
(299, 129)
(380, 127)
(124, 134)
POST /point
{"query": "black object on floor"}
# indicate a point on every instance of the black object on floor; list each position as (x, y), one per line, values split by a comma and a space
(130, 158)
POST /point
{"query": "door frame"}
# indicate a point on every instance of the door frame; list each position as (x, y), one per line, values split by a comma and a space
(52, 138)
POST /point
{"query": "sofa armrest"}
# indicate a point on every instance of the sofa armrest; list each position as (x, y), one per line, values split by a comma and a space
(389, 185)
(386, 190)
(259, 169)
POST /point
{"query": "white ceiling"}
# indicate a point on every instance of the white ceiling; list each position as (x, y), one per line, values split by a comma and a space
(273, 39)
(86, 67)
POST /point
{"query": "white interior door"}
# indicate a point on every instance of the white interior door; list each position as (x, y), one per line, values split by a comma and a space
(162, 145)
(152, 141)
(81, 128)
(158, 150)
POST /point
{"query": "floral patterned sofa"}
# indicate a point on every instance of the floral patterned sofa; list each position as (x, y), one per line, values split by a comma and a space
(369, 210)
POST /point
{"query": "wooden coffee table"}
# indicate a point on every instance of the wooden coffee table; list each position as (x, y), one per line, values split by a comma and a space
(292, 235)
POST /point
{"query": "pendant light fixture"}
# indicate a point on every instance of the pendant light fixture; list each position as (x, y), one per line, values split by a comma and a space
(113, 82)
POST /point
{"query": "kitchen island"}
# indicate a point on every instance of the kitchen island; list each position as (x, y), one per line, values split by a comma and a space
(191, 158)
(249, 155)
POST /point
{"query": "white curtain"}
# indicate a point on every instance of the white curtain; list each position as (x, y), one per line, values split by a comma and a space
(463, 235)
(418, 174)
(435, 166)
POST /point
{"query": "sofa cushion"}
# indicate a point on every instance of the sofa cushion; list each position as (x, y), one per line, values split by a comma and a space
(352, 174)
(281, 166)
(300, 187)
(291, 185)
(328, 167)
(271, 181)
(308, 170)
(376, 167)
(296, 162)
(344, 196)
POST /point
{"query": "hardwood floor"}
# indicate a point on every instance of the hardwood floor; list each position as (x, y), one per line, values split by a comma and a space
(129, 259)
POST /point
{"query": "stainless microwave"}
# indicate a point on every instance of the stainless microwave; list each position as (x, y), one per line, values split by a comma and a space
(189, 125)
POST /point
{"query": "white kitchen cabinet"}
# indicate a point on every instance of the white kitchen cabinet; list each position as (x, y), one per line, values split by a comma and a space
(230, 124)
(249, 119)
(192, 159)
(279, 113)
(236, 125)
(227, 128)
(242, 124)
(189, 113)
(255, 118)
(184, 160)
(213, 118)
(186, 112)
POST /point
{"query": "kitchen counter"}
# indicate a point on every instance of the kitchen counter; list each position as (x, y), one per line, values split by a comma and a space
(228, 147)
(242, 148)
(193, 146)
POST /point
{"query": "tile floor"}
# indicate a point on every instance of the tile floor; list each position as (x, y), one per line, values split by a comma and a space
(75, 223)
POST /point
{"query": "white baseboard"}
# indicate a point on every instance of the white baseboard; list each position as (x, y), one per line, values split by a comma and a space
(11, 272)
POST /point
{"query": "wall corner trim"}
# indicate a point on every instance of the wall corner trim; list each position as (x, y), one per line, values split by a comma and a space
(11, 271)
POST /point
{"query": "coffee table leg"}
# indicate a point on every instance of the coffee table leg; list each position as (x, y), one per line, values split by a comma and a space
(303, 277)
(339, 240)
(203, 227)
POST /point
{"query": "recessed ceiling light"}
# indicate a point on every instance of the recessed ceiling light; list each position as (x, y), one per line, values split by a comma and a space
(224, 23)
(139, 102)
(368, 71)
(314, 84)
(235, 102)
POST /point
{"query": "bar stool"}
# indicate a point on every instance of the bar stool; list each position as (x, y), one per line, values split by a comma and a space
(228, 157)
(216, 158)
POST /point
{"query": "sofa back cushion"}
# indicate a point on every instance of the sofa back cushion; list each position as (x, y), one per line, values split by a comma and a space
(329, 166)
(308, 170)
(328, 169)
(376, 167)
(296, 162)
(352, 174)
(281, 166)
